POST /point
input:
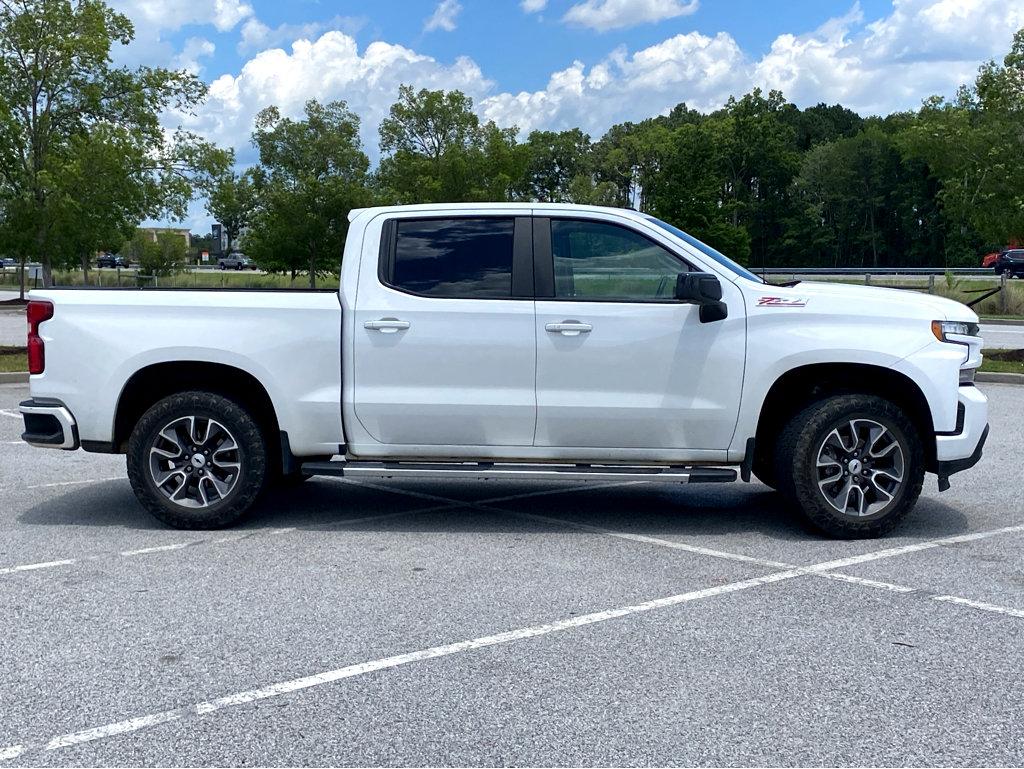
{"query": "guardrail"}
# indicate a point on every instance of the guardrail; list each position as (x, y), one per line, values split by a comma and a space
(874, 271)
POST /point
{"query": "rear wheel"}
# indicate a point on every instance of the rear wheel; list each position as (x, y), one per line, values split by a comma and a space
(197, 460)
(854, 465)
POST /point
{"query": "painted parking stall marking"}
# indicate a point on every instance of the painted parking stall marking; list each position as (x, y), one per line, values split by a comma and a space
(210, 707)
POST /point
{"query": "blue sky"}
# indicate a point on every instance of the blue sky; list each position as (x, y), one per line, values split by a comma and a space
(529, 46)
(561, 63)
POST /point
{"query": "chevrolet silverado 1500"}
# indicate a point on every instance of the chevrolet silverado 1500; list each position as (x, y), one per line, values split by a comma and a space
(528, 341)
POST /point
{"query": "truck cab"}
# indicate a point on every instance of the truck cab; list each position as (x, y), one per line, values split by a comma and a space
(540, 341)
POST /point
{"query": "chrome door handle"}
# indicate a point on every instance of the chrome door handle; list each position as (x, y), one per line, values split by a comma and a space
(387, 325)
(569, 328)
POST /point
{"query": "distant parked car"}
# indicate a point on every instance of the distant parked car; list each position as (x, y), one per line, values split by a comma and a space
(111, 260)
(1010, 262)
(6, 261)
(235, 262)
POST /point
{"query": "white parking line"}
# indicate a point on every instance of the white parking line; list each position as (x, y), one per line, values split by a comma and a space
(67, 483)
(11, 414)
(822, 570)
(980, 605)
(221, 540)
(34, 566)
(159, 548)
(697, 549)
(110, 730)
(350, 671)
(306, 682)
(12, 751)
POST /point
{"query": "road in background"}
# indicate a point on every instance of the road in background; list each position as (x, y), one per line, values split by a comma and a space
(13, 327)
(1003, 337)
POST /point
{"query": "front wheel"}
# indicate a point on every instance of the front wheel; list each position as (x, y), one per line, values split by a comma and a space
(854, 464)
(197, 460)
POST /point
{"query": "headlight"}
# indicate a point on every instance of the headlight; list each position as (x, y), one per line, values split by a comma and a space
(967, 336)
(947, 330)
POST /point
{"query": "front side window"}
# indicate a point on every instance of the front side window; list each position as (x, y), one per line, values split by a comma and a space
(459, 258)
(598, 261)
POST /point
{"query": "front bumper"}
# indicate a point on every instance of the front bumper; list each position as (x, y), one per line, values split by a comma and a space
(961, 449)
(972, 419)
(49, 424)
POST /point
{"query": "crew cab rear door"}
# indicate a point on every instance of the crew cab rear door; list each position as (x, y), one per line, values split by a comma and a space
(444, 343)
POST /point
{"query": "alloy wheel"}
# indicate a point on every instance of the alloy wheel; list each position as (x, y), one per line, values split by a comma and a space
(860, 467)
(195, 461)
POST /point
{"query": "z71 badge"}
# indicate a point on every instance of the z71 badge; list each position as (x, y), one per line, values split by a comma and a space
(778, 301)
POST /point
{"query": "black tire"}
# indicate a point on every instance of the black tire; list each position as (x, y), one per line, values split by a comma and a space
(798, 473)
(764, 471)
(250, 456)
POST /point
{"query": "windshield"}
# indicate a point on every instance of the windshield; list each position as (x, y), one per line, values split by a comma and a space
(707, 250)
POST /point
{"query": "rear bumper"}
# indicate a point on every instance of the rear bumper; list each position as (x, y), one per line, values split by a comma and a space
(49, 424)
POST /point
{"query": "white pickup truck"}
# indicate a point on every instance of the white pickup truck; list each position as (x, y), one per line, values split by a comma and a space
(527, 341)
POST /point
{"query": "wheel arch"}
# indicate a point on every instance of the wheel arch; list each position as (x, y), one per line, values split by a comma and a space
(154, 382)
(800, 386)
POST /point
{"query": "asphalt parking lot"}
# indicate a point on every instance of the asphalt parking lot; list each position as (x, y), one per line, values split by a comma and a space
(507, 623)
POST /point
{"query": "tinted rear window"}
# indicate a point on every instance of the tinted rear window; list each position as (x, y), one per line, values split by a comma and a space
(460, 258)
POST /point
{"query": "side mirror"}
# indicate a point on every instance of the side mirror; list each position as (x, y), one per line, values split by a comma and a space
(704, 290)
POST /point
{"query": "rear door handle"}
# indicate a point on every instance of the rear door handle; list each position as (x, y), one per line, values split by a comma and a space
(569, 328)
(387, 325)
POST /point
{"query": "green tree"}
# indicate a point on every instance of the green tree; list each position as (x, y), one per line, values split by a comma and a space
(311, 173)
(435, 150)
(231, 201)
(974, 146)
(68, 118)
(629, 158)
(556, 160)
(759, 160)
(691, 186)
(821, 123)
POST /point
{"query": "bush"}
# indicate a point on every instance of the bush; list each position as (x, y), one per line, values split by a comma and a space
(162, 257)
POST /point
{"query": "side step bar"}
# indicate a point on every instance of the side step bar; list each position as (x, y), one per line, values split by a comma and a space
(526, 472)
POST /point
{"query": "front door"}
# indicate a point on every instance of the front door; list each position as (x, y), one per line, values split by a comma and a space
(620, 362)
(444, 348)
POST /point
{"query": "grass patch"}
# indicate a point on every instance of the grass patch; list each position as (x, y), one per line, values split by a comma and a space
(1003, 361)
(13, 359)
(192, 279)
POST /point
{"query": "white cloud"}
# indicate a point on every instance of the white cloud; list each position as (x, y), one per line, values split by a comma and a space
(153, 19)
(603, 15)
(195, 48)
(444, 16)
(257, 36)
(694, 68)
(871, 66)
(923, 47)
(533, 6)
(330, 67)
(175, 14)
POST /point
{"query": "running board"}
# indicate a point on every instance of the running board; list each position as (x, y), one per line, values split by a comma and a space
(525, 472)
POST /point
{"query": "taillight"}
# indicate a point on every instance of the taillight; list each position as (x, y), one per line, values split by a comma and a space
(38, 311)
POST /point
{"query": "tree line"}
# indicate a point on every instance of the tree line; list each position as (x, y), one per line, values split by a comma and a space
(760, 179)
(84, 158)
